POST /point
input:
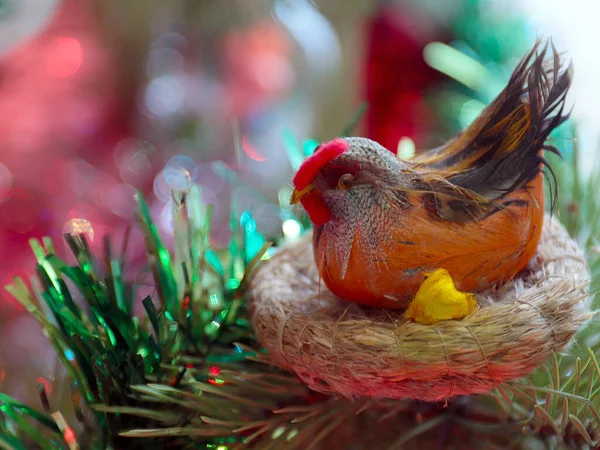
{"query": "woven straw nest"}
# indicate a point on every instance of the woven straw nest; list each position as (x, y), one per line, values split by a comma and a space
(342, 348)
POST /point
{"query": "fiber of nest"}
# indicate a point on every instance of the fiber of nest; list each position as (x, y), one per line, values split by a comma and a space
(338, 347)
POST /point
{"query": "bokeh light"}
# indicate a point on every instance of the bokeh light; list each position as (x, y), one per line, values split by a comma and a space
(313, 32)
(5, 181)
(406, 148)
(162, 61)
(64, 58)
(469, 111)
(172, 40)
(166, 218)
(79, 226)
(165, 95)
(92, 113)
(291, 229)
(132, 157)
(161, 188)
(250, 151)
(180, 172)
(272, 72)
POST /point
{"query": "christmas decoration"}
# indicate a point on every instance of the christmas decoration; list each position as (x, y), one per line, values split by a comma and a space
(185, 376)
(340, 348)
(473, 207)
(408, 95)
(66, 105)
(397, 78)
(183, 370)
(438, 299)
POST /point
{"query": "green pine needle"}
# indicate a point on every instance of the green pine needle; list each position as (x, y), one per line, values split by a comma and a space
(188, 374)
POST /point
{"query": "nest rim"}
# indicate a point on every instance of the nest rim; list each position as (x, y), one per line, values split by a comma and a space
(342, 348)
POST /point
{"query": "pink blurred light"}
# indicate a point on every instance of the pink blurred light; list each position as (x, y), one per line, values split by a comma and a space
(69, 435)
(5, 180)
(251, 151)
(272, 72)
(64, 58)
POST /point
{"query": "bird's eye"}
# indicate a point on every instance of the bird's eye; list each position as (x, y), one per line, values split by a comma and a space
(345, 182)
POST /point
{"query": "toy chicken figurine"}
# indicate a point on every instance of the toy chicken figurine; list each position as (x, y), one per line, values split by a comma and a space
(470, 211)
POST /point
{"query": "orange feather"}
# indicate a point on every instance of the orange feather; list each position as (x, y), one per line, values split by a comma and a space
(476, 254)
(474, 207)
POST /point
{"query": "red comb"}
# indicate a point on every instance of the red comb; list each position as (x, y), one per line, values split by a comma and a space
(310, 168)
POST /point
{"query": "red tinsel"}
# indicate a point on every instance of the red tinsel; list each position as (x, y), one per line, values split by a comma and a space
(397, 77)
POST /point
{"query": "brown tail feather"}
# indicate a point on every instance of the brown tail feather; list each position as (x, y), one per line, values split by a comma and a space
(500, 151)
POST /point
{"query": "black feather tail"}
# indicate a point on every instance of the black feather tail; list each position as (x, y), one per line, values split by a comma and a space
(501, 151)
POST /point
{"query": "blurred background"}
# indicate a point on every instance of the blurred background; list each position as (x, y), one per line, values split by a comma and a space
(99, 99)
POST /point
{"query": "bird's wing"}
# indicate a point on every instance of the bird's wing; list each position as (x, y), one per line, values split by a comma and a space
(501, 151)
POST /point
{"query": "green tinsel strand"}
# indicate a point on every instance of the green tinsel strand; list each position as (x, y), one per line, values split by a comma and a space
(168, 377)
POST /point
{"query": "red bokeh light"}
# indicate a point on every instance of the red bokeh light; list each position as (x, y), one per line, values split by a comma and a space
(64, 57)
(251, 151)
(69, 435)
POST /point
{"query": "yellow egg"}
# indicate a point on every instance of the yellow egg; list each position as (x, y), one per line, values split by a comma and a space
(438, 299)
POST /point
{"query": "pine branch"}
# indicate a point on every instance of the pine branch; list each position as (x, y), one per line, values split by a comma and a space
(180, 369)
(561, 399)
(186, 374)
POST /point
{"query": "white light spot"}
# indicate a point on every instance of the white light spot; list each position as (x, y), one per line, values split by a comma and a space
(291, 229)
(406, 148)
(79, 226)
(161, 188)
(164, 95)
(180, 172)
(314, 34)
(166, 218)
(470, 111)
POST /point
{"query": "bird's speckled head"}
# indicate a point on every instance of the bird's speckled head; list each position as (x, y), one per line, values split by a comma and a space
(342, 175)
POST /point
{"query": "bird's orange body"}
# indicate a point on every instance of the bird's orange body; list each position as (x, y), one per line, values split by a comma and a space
(476, 254)
(473, 207)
